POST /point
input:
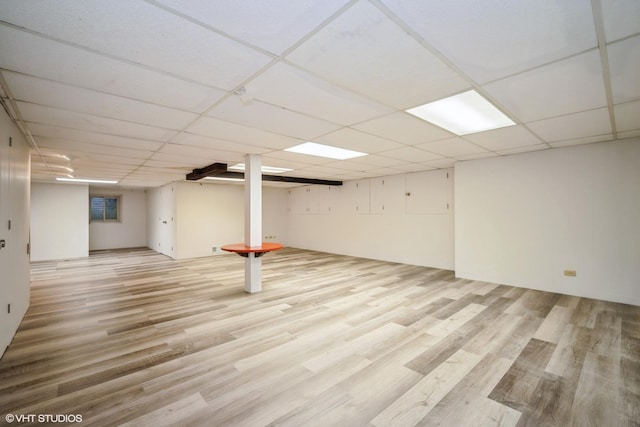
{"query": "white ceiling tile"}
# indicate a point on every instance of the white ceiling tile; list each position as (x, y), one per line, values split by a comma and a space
(220, 129)
(148, 170)
(71, 119)
(109, 84)
(209, 142)
(493, 38)
(295, 158)
(621, 18)
(299, 91)
(414, 167)
(144, 34)
(75, 146)
(80, 157)
(627, 116)
(177, 163)
(572, 126)
(321, 171)
(52, 94)
(90, 162)
(624, 68)
(273, 25)
(37, 129)
(93, 174)
(410, 154)
(349, 165)
(441, 163)
(63, 63)
(374, 173)
(359, 141)
(629, 134)
(404, 128)
(476, 156)
(272, 118)
(205, 155)
(504, 138)
(582, 141)
(353, 176)
(575, 84)
(452, 147)
(523, 149)
(380, 161)
(189, 159)
(363, 42)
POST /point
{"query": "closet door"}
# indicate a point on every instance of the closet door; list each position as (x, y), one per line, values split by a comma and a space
(7, 272)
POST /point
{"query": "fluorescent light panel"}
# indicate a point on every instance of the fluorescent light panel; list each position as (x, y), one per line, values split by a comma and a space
(463, 114)
(220, 178)
(266, 169)
(321, 150)
(91, 181)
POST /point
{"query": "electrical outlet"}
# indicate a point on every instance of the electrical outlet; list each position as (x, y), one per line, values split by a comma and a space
(570, 273)
(215, 249)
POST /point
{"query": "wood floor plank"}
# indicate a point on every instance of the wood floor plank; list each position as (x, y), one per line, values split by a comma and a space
(416, 403)
(597, 399)
(170, 415)
(132, 337)
(554, 324)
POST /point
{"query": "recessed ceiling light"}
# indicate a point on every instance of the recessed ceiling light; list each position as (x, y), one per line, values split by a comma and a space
(52, 166)
(266, 169)
(57, 156)
(67, 168)
(220, 178)
(463, 114)
(91, 181)
(321, 150)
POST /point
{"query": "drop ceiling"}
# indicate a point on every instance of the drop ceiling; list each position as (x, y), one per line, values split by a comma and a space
(145, 91)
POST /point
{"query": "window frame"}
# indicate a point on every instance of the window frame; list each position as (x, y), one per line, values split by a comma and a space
(117, 197)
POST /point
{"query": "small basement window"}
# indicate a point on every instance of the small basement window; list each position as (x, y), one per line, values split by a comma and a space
(104, 208)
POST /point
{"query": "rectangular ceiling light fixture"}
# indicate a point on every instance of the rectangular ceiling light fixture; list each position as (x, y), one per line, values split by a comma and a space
(321, 150)
(90, 181)
(463, 114)
(265, 169)
(221, 178)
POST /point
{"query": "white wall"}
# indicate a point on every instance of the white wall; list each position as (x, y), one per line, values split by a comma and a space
(201, 215)
(522, 220)
(208, 215)
(59, 221)
(375, 218)
(274, 215)
(14, 207)
(130, 231)
(211, 214)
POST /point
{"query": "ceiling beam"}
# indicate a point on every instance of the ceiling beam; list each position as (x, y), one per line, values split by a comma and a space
(219, 170)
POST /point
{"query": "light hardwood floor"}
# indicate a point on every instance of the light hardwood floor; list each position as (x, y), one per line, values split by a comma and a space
(135, 338)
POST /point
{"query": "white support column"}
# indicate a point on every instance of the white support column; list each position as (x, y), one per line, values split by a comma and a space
(252, 221)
